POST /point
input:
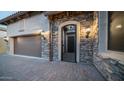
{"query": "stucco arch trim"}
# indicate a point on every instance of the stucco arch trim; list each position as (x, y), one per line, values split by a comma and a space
(77, 39)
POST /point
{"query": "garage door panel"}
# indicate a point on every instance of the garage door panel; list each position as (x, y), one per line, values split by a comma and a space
(28, 45)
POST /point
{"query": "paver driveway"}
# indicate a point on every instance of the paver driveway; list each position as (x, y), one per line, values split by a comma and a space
(21, 68)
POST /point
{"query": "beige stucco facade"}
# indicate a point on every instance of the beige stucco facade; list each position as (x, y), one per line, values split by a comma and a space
(29, 26)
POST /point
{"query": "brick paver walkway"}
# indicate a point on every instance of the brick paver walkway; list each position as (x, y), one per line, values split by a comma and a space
(21, 68)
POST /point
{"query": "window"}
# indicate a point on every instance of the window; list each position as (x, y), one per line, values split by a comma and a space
(70, 28)
(116, 31)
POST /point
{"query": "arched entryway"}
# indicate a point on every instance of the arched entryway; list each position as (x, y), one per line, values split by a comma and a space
(69, 41)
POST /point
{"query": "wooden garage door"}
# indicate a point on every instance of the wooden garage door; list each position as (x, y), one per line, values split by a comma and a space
(28, 45)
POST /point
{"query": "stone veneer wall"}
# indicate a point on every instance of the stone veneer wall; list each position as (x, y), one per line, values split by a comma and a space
(110, 68)
(86, 44)
(54, 41)
(45, 43)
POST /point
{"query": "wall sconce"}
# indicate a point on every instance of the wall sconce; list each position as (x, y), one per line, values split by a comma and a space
(6, 39)
(42, 35)
(88, 32)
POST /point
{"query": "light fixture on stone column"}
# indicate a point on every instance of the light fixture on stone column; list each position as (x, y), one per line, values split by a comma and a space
(87, 32)
(42, 36)
(6, 38)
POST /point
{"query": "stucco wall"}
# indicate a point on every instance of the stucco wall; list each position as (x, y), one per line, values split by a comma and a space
(31, 26)
(3, 33)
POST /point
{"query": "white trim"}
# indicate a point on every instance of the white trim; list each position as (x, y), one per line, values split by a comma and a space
(102, 32)
(106, 31)
(77, 38)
